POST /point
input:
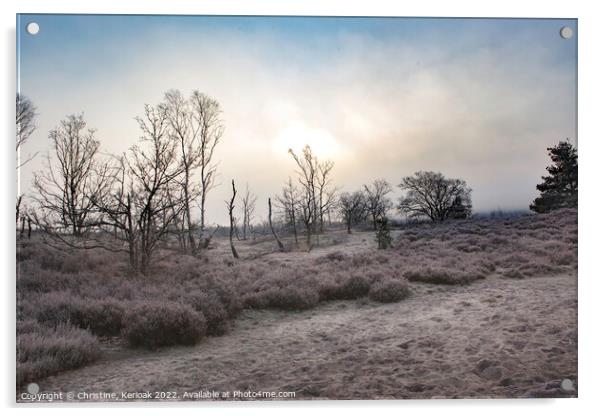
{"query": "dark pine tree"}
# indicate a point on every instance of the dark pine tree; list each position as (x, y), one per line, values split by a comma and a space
(383, 233)
(559, 188)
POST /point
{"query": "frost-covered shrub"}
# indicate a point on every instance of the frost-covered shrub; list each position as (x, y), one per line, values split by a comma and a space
(210, 305)
(153, 324)
(352, 287)
(441, 276)
(100, 316)
(389, 290)
(292, 298)
(44, 351)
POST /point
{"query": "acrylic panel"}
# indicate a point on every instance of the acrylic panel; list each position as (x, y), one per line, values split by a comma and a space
(295, 208)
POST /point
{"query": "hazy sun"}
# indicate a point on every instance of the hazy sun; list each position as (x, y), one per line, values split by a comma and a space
(296, 135)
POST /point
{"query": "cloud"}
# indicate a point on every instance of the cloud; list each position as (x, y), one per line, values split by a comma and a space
(483, 108)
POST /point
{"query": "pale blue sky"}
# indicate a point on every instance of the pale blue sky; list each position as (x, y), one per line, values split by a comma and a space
(474, 98)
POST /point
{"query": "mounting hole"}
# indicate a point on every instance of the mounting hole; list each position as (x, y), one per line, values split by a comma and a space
(566, 32)
(33, 388)
(567, 385)
(32, 28)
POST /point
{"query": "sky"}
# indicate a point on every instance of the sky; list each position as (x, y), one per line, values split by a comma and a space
(477, 99)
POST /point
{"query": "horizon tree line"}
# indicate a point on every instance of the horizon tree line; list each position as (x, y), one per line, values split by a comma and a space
(146, 195)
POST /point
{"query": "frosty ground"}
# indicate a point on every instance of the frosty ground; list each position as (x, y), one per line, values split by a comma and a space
(491, 312)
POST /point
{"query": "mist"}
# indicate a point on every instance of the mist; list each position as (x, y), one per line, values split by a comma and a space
(382, 98)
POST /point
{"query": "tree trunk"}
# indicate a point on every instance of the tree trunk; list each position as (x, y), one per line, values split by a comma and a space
(308, 227)
(294, 225)
(280, 246)
(191, 242)
(19, 200)
(202, 224)
(28, 227)
(231, 213)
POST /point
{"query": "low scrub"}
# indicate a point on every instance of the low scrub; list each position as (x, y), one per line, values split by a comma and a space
(154, 324)
(442, 276)
(389, 290)
(353, 287)
(214, 311)
(289, 298)
(101, 316)
(44, 351)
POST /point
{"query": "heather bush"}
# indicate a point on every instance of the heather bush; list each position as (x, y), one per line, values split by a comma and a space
(564, 257)
(185, 297)
(351, 287)
(441, 276)
(292, 298)
(153, 324)
(100, 316)
(389, 290)
(332, 257)
(210, 305)
(462, 251)
(44, 351)
(32, 278)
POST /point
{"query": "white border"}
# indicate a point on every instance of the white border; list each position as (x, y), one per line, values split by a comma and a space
(590, 151)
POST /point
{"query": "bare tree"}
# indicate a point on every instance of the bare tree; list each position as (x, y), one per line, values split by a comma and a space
(326, 193)
(25, 119)
(307, 165)
(315, 184)
(377, 203)
(185, 130)
(145, 196)
(230, 206)
(25, 126)
(280, 245)
(288, 202)
(207, 115)
(352, 208)
(64, 187)
(432, 195)
(248, 210)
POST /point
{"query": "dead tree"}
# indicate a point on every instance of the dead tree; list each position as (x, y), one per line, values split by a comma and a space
(207, 116)
(64, 187)
(25, 123)
(307, 165)
(25, 126)
(288, 202)
(377, 203)
(249, 202)
(230, 205)
(143, 200)
(315, 182)
(280, 246)
(185, 130)
(352, 208)
(326, 194)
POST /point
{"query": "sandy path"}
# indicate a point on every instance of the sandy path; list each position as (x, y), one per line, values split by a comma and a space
(495, 338)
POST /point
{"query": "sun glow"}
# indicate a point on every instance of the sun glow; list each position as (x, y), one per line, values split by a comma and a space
(297, 135)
